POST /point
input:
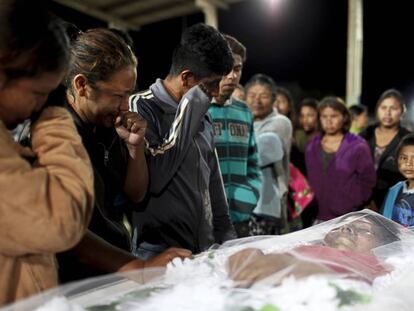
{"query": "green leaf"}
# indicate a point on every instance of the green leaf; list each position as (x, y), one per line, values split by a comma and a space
(350, 297)
(269, 307)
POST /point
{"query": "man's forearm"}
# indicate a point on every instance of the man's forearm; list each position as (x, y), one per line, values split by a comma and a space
(99, 254)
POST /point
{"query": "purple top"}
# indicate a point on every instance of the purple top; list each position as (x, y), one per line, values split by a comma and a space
(348, 180)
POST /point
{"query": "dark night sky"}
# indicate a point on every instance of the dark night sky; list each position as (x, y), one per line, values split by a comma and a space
(302, 44)
(388, 51)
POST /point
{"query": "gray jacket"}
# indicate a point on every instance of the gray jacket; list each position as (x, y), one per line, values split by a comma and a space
(272, 133)
(186, 204)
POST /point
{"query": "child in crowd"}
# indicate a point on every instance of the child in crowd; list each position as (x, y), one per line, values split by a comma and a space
(307, 128)
(284, 104)
(399, 202)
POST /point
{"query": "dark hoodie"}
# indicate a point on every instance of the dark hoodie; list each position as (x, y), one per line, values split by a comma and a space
(387, 171)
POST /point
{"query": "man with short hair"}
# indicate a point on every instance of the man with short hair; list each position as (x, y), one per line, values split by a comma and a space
(185, 205)
(236, 144)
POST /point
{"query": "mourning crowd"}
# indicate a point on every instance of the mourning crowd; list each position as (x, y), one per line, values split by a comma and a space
(97, 177)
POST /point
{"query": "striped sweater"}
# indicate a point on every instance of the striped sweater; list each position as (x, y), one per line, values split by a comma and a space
(237, 151)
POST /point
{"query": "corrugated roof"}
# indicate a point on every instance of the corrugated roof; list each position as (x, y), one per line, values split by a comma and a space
(132, 14)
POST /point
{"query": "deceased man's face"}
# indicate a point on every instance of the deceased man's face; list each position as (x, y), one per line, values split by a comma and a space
(359, 236)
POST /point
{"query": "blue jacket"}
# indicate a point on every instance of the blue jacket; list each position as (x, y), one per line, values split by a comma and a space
(401, 211)
(391, 198)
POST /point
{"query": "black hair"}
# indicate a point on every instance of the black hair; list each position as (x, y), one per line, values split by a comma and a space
(292, 111)
(392, 93)
(264, 80)
(336, 103)
(124, 34)
(356, 110)
(236, 47)
(27, 51)
(309, 102)
(387, 231)
(407, 140)
(285, 92)
(204, 51)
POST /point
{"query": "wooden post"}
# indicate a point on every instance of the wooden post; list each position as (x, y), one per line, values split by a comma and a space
(354, 52)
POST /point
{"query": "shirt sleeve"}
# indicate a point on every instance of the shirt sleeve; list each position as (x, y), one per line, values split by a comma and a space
(223, 228)
(254, 178)
(364, 176)
(167, 153)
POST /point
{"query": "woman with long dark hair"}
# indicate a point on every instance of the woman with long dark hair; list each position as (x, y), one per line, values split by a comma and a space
(383, 138)
(339, 165)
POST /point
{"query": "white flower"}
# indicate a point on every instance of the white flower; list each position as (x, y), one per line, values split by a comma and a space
(61, 304)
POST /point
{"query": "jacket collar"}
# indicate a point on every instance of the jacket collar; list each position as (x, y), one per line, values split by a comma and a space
(258, 124)
(347, 140)
(165, 101)
(228, 102)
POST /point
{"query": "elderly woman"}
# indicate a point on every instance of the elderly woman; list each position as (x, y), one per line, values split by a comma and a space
(274, 137)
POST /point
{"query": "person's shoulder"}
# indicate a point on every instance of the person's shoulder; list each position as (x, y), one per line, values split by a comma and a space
(281, 122)
(277, 120)
(368, 132)
(238, 102)
(399, 185)
(143, 102)
(354, 138)
(356, 141)
(403, 131)
(141, 97)
(241, 107)
(215, 113)
(282, 118)
(314, 142)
